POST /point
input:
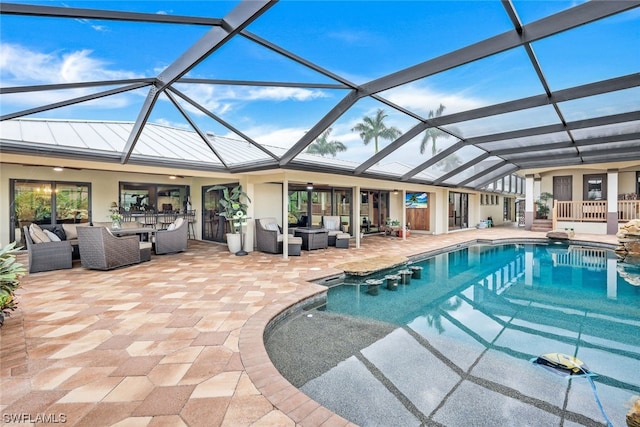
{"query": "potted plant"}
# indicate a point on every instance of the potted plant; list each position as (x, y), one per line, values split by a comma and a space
(542, 207)
(116, 217)
(10, 273)
(235, 211)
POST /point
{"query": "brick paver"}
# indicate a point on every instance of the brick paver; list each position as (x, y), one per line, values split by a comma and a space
(177, 340)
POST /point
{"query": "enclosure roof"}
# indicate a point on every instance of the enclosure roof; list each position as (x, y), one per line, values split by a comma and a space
(446, 93)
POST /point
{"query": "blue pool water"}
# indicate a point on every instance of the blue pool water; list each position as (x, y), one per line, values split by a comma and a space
(462, 337)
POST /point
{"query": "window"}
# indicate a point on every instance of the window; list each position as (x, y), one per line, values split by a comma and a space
(595, 187)
(139, 197)
(47, 202)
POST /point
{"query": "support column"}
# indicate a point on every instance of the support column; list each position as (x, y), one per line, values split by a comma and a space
(612, 201)
(403, 221)
(356, 213)
(528, 203)
(285, 219)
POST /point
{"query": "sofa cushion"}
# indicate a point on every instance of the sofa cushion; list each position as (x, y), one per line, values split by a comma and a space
(70, 231)
(331, 223)
(37, 235)
(59, 231)
(52, 236)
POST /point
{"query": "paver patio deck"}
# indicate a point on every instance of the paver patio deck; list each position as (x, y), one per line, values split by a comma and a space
(176, 341)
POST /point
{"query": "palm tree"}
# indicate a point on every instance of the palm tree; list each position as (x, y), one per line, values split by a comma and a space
(323, 146)
(450, 162)
(433, 133)
(373, 128)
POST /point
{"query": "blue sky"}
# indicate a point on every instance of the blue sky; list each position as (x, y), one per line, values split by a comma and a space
(358, 40)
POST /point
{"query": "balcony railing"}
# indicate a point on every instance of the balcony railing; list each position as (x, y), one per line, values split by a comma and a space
(594, 211)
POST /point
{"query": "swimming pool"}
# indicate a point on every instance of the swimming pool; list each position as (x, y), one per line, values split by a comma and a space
(454, 347)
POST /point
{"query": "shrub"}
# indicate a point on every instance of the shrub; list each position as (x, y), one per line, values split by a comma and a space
(10, 273)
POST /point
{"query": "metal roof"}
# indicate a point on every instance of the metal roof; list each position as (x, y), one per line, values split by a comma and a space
(542, 113)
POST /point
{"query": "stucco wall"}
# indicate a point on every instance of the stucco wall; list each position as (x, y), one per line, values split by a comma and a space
(265, 190)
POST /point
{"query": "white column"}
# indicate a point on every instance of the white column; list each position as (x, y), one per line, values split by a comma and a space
(612, 201)
(404, 213)
(528, 202)
(285, 219)
(356, 213)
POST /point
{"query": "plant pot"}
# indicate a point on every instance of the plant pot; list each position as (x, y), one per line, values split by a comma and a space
(233, 242)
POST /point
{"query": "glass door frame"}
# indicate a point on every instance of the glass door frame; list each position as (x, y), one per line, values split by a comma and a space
(14, 221)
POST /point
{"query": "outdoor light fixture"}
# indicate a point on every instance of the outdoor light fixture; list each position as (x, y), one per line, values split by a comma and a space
(58, 169)
(114, 205)
(309, 185)
(172, 177)
(395, 191)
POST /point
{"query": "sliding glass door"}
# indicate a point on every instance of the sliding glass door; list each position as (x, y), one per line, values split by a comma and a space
(47, 202)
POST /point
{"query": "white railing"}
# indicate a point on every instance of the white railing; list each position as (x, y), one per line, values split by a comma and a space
(628, 210)
(594, 210)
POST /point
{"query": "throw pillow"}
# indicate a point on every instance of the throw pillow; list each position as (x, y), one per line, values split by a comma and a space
(171, 226)
(37, 235)
(178, 222)
(70, 231)
(59, 231)
(51, 235)
(271, 226)
(330, 224)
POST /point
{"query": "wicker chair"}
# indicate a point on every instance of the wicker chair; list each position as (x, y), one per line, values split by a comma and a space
(333, 226)
(171, 241)
(101, 250)
(47, 256)
(268, 236)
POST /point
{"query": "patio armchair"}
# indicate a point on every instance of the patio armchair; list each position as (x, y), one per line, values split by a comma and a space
(47, 255)
(101, 250)
(333, 225)
(174, 239)
(268, 236)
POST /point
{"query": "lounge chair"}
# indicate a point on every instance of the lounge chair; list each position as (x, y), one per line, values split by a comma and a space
(333, 225)
(269, 238)
(173, 239)
(268, 235)
(101, 250)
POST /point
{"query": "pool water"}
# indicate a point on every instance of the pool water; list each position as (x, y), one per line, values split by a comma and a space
(454, 346)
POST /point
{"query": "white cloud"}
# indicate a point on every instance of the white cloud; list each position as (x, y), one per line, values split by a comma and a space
(169, 123)
(266, 135)
(221, 100)
(101, 28)
(22, 66)
(280, 94)
(422, 99)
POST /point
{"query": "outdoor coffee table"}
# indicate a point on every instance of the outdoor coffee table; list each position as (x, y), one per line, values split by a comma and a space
(313, 238)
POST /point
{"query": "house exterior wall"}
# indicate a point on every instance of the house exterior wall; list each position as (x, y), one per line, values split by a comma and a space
(626, 183)
(264, 189)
